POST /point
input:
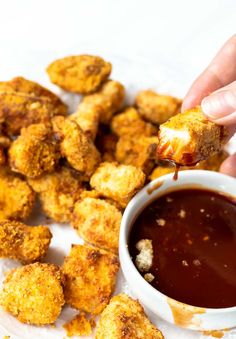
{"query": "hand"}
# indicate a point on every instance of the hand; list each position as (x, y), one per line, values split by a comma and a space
(215, 91)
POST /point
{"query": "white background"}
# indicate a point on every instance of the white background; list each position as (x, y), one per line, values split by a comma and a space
(179, 37)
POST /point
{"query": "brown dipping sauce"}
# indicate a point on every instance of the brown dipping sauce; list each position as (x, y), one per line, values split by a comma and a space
(193, 233)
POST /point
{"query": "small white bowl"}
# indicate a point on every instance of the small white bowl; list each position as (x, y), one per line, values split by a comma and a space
(175, 312)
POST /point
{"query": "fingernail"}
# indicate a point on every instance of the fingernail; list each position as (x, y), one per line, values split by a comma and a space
(219, 104)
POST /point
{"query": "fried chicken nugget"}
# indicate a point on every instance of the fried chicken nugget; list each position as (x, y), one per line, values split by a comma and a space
(190, 137)
(97, 222)
(107, 101)
(80, 73)
(58, 192)
(24, 243)
(78, 326)
(35, 151)
(16, 197)
(90, 278)
(75, 146)
(34, 293)
(157, 108)
(24, 102)
(129, 123)
(124, 317)
(117, 182)
(139, 152)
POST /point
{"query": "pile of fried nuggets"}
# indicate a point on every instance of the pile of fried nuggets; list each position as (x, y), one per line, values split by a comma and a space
(84, 168)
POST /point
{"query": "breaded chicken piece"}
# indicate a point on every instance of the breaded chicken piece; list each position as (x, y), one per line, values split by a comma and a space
(79, 326)
(139, 152)
(98, 222)
(80, 73)
(129, 123)
(24, 102)
(34, 293)
(35, 151)
(157, 108)
(90, 278)
(117, 182)
(16, 197)
(75, 146)
(124, 318)
(107, 101)
(190, 137)
(87, 117)
(24, 243)
(58, 192)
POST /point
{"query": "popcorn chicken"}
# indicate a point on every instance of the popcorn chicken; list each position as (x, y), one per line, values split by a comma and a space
(139, 152)
(78, 326)
(24, 102)
(129, 123)
(34, 293)
(117, 182)
(97, 222)
(107, 101)
(35, 151)
(144, 259)
(189, 137)
(79, 73)
(24, 243)
(76, 147)
(90, 278)
(16, 197)
(58, 192)
(157, 108)
(124, 318)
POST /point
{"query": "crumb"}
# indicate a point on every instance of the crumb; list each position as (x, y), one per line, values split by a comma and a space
(78, 326)
(144, 259)
(149, 277)
(206, 237)
(202, 210)
(197, 262)
(184, 263)
(168, 199)
(161, 222)
(182, 214)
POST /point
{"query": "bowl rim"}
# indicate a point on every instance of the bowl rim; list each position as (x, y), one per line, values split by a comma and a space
(123, 246)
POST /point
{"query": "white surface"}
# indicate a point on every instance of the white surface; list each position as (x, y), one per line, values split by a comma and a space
(173, 40)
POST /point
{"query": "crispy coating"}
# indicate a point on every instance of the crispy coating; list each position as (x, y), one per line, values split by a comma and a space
(124, 318)
(35, 151)
(90, 278)
(24, 243)
(157, 108)
(16, 197)
(139, 152)
(24, 102)
(34, 293)
(78, 326)
(189, 137)
(58, 192)
(97, 222)
(80, 73)
(4, 144)
(106, 143)
(75, 146)
(107, 101)
(129, 123)
(117, 182)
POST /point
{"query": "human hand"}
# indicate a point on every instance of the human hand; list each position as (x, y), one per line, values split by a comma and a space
(215, 91)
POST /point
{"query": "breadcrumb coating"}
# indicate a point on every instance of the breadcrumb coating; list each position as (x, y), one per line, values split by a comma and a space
(24, 243)
(78, 326)
(79, 73)
(34, 293)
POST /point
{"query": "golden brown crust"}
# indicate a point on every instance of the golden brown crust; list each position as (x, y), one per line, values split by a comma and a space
(124, 318)
(58, 192)
(16, 197)
(35, 151)
(157, 108)
(80, 73)
(75, 146)
(129, 123)
(117, 182)
(97, 222)
(78, 326)
(24, 102)
(34, 293)
(189, 137)
(90, 278)
(139, 152)
(24, 243)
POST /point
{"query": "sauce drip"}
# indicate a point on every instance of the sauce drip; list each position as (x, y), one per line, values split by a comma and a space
(193, 233)
(175, 177)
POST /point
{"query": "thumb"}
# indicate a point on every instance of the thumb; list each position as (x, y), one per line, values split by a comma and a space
(220, 106)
